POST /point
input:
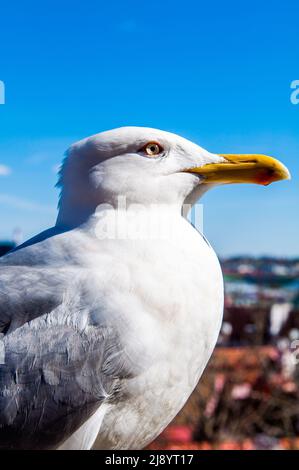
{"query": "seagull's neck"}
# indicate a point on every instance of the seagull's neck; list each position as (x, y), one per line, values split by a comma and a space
(136, 222)
(73, 215)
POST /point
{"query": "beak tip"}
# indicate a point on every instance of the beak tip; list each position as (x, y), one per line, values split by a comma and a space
(284, 173)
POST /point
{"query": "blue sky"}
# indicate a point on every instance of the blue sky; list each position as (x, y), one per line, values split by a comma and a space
(217, 72)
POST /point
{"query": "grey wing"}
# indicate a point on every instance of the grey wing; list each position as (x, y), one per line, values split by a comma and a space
(26, 293)
(58, 367)
(53, 378)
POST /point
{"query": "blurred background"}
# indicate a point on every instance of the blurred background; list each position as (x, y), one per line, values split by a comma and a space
(219, 74)
(248, 397)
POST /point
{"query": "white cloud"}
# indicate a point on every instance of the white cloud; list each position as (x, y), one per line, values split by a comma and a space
(19, 203)
(4, 170)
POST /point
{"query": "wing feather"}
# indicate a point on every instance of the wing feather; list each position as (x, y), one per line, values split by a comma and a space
(63, 357)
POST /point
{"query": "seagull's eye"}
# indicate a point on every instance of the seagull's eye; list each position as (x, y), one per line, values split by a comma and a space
(152, 149)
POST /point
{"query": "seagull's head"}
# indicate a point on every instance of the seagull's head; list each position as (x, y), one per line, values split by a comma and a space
(150, 166)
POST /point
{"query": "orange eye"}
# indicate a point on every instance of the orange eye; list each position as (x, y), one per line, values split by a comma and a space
(152, 149)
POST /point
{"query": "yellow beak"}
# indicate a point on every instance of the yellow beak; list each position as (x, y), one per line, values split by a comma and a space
(259, 169)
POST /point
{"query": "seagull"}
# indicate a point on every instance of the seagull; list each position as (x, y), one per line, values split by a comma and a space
(109, 318)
